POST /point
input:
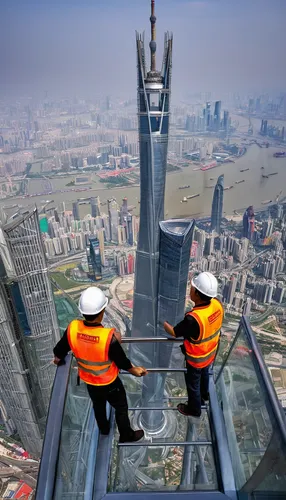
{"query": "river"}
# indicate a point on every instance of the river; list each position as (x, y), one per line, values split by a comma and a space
(253, 191)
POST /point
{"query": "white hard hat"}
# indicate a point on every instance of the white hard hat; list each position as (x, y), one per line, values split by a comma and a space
(206, 283)
(92, 301)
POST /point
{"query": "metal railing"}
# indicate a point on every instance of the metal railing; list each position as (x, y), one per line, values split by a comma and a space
(52, 439)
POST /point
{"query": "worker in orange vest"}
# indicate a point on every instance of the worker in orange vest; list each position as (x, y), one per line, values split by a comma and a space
(201, 331)
(99, 356)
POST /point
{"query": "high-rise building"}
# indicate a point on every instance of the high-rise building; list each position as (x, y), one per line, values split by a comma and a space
(75, 210)
(208, 114)
(34, 297)
(226, 120)
(249, 223)
(175, 246)
(124, 212)
(217, 205)
(95, 206)
(113, 219)
(217, 113)
(95, 258)
(100, 236)
(16, 387)
(153, 117)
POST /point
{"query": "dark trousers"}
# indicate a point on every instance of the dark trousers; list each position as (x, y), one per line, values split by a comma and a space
(115, 394)
(197, 382)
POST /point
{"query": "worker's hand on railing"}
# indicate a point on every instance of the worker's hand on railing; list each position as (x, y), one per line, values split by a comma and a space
(138, 371)
(169, 329)
(58, 361)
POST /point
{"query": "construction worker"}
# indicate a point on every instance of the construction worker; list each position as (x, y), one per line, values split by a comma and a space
(99, 357)
(201, 331)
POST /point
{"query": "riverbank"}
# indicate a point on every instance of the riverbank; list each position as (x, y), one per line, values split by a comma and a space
(253, 191)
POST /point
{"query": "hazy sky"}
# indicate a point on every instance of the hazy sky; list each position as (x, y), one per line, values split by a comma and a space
(87, 47)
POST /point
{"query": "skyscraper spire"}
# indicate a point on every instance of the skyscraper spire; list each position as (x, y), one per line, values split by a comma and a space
(152, 44)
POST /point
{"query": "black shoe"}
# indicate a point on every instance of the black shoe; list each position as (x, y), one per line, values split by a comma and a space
(205, 397)
(105, 431)
(184, 410)
(137, 435)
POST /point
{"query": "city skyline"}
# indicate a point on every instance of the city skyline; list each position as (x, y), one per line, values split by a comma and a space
(78, 161)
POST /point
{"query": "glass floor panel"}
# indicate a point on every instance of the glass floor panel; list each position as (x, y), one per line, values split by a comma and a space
(162, 468)
(176, 427)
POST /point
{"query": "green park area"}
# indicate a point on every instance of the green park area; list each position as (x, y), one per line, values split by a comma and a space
(62, 281)
(173, 168)
(66, 311)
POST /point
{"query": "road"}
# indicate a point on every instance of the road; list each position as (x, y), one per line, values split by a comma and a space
(20, 469)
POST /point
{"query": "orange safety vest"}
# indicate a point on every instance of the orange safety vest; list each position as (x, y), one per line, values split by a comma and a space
(90, 346)
(201, 352)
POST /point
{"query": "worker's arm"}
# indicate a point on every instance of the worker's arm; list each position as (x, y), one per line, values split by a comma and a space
(187, 328)
(62, 348)
(117, 335)
(117, 354)
(169, 329)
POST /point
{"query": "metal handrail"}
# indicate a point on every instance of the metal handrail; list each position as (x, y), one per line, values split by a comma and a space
(51, 445)
(157, 408)
(158, 370)
(166, 443)
(134, 340)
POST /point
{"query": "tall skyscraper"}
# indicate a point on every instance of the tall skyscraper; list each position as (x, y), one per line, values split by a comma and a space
(153, 116)
(95, 206)
(208, 114)
(75, 210)
(217, 113)
(113, 219)
(175, 246)
(217, 205)
(16, 387)
(32, 307)
(95, 258)
(174, 250)
(249, 223)
(124, 212)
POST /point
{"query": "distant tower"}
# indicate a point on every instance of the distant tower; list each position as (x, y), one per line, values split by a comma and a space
(124, 212)
(95, 258)
(217, 205)
(95, 206)
(249, 223)
(113, 219)
(75, 210)
(153, 116)
(208, 114)
(217, 113)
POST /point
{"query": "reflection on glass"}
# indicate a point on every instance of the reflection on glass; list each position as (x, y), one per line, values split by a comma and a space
(162, 468)
(249, 421)
(159, 468)
(78, 436)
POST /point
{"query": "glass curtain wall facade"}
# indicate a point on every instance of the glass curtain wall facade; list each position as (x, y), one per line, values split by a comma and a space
(25, 246)
(175, 246)
(217, 205)
(154, 89)
(15, 383)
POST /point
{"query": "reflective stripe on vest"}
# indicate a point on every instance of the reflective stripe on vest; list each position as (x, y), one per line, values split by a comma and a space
(201, 352)
(90, 346)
